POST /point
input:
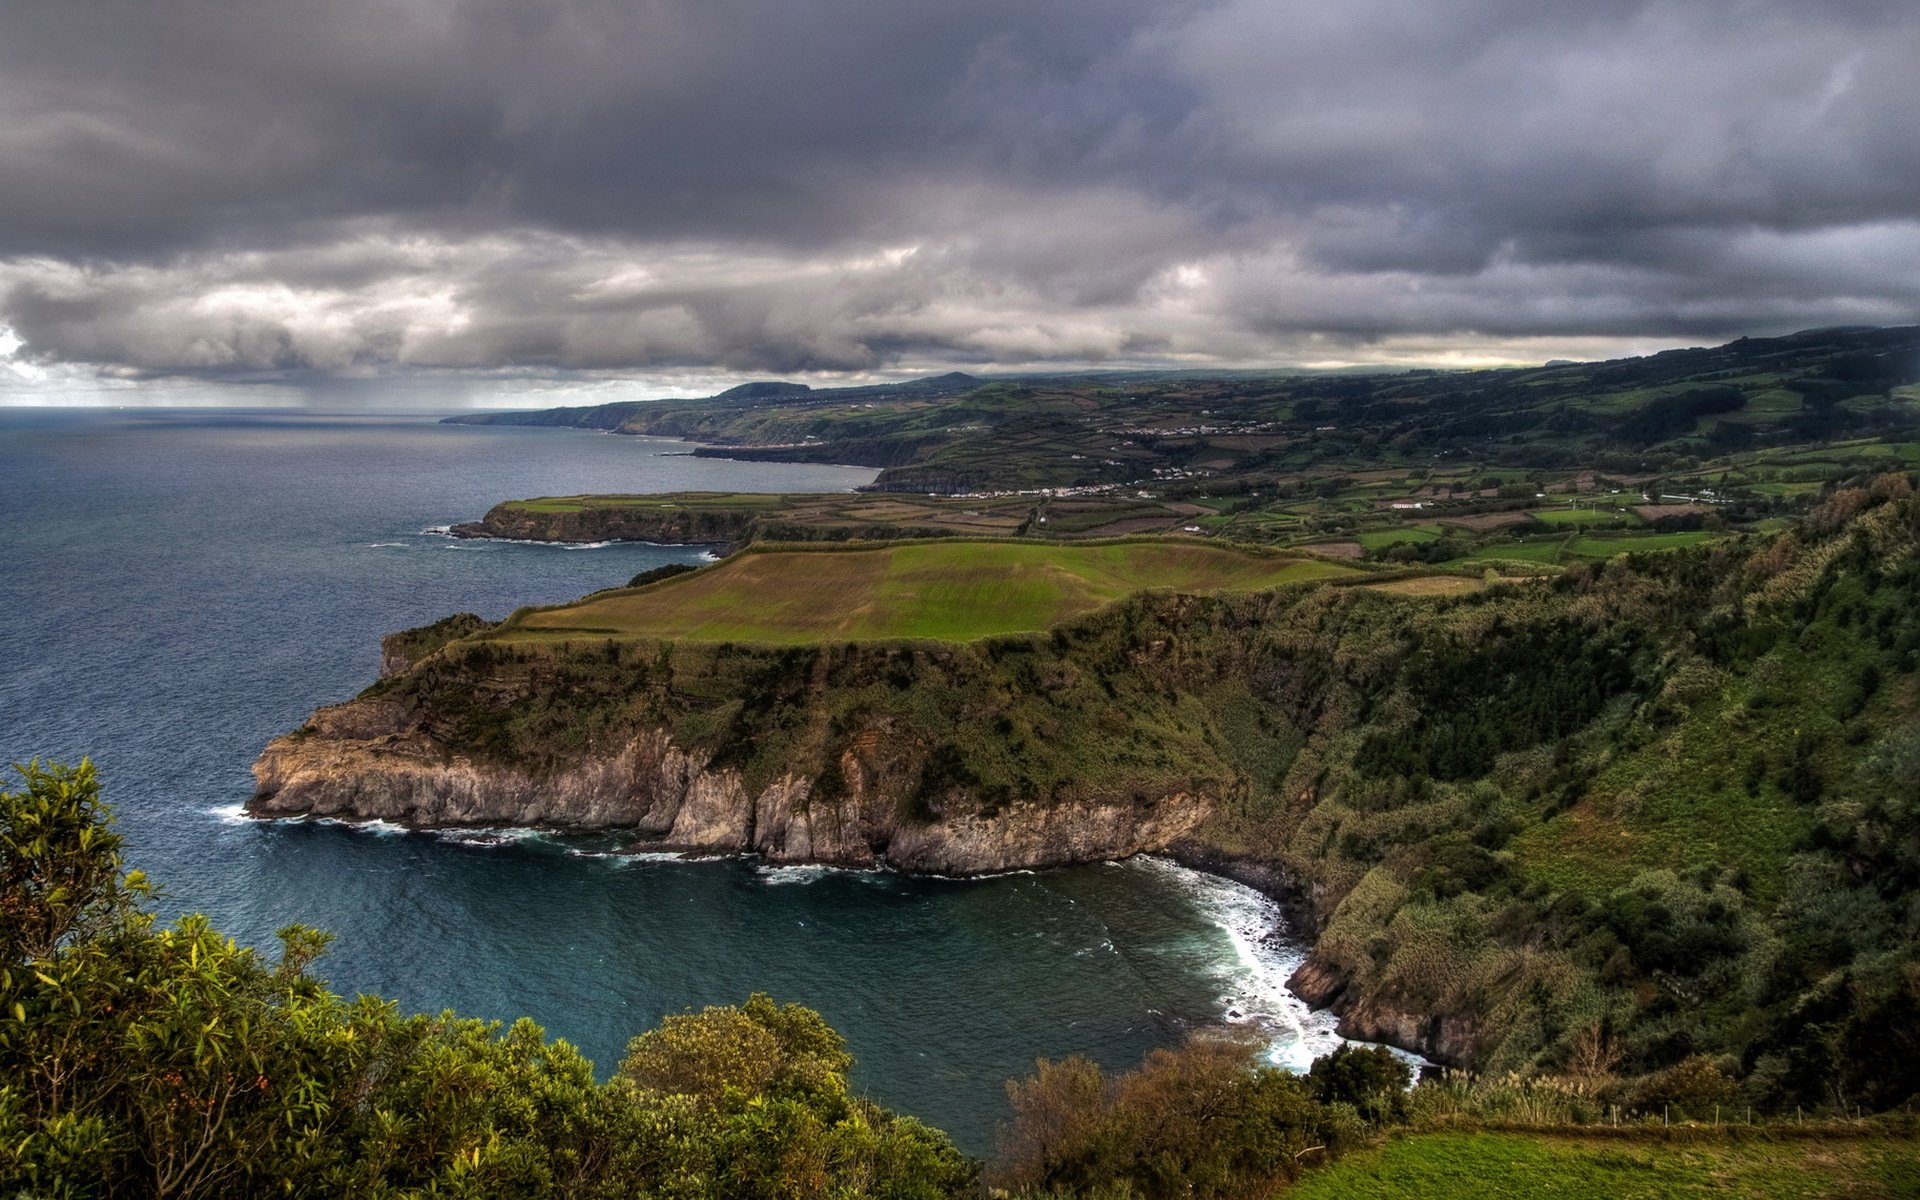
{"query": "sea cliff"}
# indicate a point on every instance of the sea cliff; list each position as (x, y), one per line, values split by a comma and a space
(611, 523)
(1510, 819)
(367, 760)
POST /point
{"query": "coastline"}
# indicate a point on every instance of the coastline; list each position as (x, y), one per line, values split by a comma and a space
(1257, 978)
(1293, 922)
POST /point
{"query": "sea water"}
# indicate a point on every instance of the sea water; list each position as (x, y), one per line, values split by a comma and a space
(179, 587)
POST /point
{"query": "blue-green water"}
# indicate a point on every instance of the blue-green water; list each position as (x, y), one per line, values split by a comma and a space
(178, 588)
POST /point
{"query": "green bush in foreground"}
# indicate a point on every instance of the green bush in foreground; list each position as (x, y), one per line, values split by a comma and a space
(139, 1060)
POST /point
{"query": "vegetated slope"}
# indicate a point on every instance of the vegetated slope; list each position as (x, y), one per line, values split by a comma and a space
(1661, 807)
(948, 591)
(1663, 412)
(1494, 1166)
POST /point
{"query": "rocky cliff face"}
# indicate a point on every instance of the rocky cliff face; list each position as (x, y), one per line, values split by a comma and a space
(1449, 1040)
(365, 760)
(611, 523)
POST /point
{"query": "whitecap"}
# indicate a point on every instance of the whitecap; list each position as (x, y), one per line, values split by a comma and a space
(487, 837)
(386, 545)
(373, 825)
(626, 858)
(1254, 979)
(776, 876)
(231, 814)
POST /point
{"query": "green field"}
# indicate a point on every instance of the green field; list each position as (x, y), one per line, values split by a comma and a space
(1473, 1166)
(1380, 539)
(1540, 552)
(1597, 547)
(945, 591)
(1583, 516)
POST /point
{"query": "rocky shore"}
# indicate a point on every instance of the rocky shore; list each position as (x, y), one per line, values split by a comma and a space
(370, 759)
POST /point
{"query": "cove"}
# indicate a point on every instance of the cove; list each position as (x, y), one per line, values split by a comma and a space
(181, 587)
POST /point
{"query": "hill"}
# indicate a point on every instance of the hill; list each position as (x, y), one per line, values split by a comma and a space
(1549, 465)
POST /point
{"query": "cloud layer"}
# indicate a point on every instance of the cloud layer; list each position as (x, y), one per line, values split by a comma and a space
(230, 190)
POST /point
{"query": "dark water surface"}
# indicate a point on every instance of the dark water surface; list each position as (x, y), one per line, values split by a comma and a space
(177, 588)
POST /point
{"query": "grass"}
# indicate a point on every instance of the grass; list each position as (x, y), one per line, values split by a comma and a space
(1597, 547)
(1476, 1166)
(1380, 539)
(944, 591)
(1583, 516)
(1540, 552)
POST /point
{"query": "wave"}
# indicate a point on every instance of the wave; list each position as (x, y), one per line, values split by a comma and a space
(1254, 978)
(488, 837)
(779, 876)
(386, 545)
(626, 858)
(231, 814)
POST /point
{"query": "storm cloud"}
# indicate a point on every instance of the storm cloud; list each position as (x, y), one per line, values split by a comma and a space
(232, 190)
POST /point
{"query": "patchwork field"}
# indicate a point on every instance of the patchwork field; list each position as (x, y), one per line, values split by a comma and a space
(945, 591)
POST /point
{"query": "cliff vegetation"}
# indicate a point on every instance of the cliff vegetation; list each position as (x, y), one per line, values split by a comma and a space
(1632, 814)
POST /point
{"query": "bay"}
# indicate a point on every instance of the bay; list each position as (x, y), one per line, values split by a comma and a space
(180, 587)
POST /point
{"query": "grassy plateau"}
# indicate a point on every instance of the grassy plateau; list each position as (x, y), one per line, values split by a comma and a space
(953, 591)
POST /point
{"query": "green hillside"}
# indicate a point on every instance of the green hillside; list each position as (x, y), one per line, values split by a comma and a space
(1652, 808)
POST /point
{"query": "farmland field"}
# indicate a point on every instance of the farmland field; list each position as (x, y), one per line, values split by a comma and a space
(1594, 547)
(1583, 516)
(945, 591)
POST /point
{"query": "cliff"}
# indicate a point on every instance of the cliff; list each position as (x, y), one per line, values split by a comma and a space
(367, 760)
(1512, 819)
(611, 523)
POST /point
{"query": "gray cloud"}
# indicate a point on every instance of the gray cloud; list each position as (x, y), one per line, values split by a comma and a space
(212, 188)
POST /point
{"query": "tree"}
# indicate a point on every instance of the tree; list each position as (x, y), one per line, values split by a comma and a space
(173, 1063)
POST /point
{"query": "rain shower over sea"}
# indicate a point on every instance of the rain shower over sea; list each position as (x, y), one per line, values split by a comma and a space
(180, 587)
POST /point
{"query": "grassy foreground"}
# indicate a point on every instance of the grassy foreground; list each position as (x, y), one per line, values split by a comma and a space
(954, 591)
(1545, 1167)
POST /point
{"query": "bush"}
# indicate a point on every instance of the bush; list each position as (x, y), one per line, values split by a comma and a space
(169, 1062)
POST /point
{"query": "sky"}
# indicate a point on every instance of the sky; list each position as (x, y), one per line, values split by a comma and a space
(464, 200)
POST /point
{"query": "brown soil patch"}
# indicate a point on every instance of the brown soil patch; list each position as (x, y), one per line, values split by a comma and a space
(1653, 512)
(1338, 549)
(1485, 521)
(1429, 585)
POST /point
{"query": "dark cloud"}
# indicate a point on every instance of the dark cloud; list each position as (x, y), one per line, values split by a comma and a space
(602, 185)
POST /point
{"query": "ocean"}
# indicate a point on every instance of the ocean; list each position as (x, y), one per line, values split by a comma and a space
(178, 587)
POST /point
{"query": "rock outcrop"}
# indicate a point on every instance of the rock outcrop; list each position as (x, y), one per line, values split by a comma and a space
(364, 760)
(1449, 1040)
(611, 523)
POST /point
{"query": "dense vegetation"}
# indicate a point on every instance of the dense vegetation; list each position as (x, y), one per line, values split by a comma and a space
(143, 1061)
(1603, 823)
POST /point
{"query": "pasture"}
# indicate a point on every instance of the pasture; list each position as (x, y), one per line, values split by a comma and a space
(945, 591)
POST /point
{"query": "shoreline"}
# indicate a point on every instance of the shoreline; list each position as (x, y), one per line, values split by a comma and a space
(1293, 923)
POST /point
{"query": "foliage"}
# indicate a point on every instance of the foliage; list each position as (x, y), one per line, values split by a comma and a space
(169, 1062)
(1203, 1120)
(1370, 1078)
(1462, 1166)
(1662, 803)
